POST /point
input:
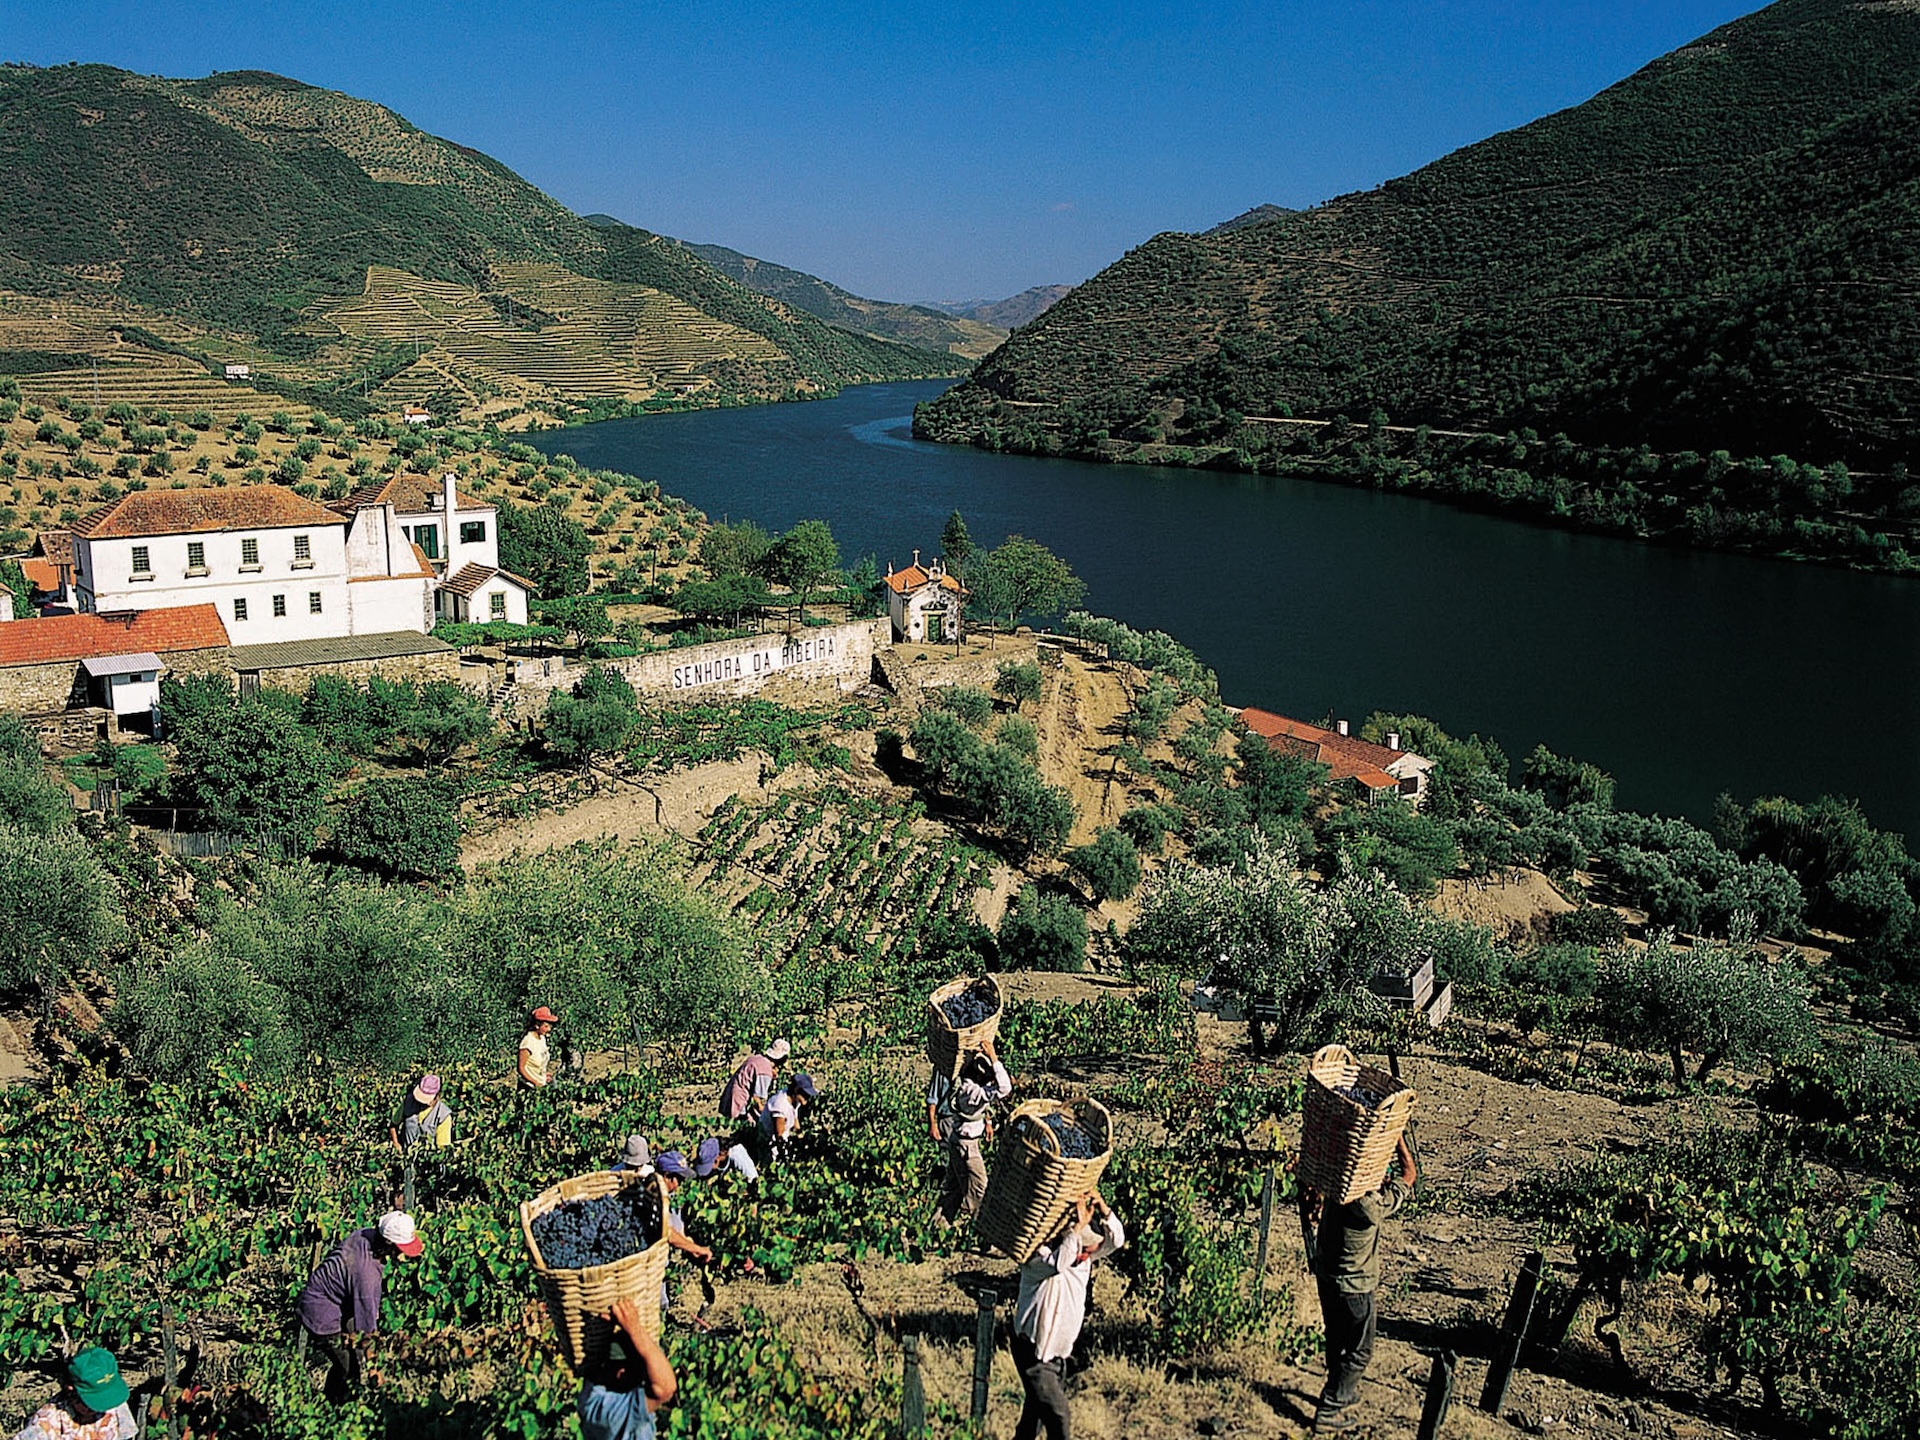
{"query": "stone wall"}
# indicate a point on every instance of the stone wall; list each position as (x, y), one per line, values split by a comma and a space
(62, 684)
(441, 665)
(840, 655)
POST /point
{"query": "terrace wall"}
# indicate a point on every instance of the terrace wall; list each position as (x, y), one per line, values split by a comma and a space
(840, 655)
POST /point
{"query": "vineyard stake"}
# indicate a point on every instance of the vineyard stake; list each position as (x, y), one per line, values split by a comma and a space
(409, 1189)
(983, 1356)
(1266, 1225)
(1433, 1414)
(1513, 1333)
(171, 1353)
(913, 1400)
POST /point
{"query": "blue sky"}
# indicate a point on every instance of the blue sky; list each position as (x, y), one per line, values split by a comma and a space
(966, 150)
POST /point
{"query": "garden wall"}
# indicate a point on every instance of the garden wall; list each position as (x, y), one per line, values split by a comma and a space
(838, 654)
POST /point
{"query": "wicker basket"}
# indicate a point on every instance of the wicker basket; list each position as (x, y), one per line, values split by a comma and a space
(1033, 1187)
(579, 1299)
(1345, 1147)
(947, 1047)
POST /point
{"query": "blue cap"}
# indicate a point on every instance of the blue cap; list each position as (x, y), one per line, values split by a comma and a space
(803, 1083)
(672, 1164)
(706, 1159)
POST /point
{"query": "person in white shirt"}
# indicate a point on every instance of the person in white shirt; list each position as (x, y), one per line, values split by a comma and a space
(780, 1120)
(960, 1114)
(1050, 1311)
(532, 1068)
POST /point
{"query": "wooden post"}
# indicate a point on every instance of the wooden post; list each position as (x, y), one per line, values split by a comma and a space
(170, 1353)
(1513, 1333)
(1433, 1414)
(1266, 1226)
(913, 1400)
(983, 1357)
(408, 1190)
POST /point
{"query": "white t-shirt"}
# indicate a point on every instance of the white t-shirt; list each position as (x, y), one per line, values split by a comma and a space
(781, 1107)
(742, 1163)
(534, 1047)
(1053, 1290)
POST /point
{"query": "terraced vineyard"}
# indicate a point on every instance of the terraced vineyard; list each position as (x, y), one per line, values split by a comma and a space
(840, 887)
(585, 338)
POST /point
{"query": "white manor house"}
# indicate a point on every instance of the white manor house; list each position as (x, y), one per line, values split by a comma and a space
(396, 556)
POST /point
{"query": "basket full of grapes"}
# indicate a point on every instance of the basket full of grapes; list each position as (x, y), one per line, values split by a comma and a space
(596, 1239)
(1350, 1124)
(1050, 1154)
(962, 1015)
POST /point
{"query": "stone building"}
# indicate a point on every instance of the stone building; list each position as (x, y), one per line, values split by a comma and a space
(110, 662)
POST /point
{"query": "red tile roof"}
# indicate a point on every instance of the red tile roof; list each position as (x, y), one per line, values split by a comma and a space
(43, 574)
(1347, 756)
(55, 545)
(914, 576)
(408, 494)
(78, 637)
(189, 512)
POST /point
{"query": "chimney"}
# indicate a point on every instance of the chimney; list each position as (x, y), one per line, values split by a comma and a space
(889, 567)
(916, 557)
(453, 524)
(1340, 727)
(1393, 739)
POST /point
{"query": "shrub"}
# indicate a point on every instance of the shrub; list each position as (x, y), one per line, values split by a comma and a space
(58, 905)
(29, 800)
(402, 826)
(1043, 932)
(1566, 782)
(1110, 865)
(1594, 925)
(596, 719)
(1016, 732)
(1411, 848)
(252, 767)
(974, 707)
(1147, 826)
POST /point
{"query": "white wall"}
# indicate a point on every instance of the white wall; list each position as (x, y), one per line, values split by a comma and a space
(104, 578)
(480, 606)
(134, 694)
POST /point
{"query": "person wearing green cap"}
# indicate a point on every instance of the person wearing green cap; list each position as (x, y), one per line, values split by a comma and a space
(92, 1404)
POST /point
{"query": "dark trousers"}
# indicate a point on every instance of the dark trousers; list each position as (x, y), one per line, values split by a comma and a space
(1349, 1321)
(1045, 1383)
(343, 1364)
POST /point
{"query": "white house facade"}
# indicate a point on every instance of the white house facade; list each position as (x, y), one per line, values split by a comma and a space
(459, 538)
(277, 566)
(924, 602)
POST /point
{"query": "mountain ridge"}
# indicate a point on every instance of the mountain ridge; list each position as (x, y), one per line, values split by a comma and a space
(1718, 252)
(247, 208)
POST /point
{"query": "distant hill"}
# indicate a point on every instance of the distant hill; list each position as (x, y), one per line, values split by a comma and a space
(1721, 252)
(1014, 311)
(917, 325)
(332, 244)
(1258, 215)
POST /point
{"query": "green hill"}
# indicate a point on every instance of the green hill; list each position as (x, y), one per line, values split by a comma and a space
(1721, 252)
(916, 325)
(245, 204)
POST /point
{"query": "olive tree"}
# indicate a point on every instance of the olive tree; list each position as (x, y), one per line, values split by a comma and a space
(1723, 1000)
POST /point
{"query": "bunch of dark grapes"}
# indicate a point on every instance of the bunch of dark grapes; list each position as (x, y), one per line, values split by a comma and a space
(580, 1233)
(1363, 1097)
(1075, 1143)
(970, 1006)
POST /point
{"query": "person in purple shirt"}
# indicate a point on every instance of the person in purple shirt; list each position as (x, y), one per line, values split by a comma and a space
(342, 1298)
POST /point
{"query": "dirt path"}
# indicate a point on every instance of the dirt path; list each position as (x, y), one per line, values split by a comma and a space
(1078, 720)
(16, 1058)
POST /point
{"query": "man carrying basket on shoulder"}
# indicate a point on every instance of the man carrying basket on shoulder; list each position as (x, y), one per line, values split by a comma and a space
(1050, 1311)
(965, 1106)
(1348, 1272)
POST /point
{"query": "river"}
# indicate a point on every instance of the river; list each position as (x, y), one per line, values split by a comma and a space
(1682, 673)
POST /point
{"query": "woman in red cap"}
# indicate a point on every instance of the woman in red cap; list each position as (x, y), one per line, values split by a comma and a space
(533, 1049)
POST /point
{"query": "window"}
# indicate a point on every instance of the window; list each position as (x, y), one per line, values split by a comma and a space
(473, 532)
(427, 537)
(497, 605)
(313, 602)
(142, 561)
(239, 609)
(302, 550)
(196, 557)
(250, 551)
(279, 607)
